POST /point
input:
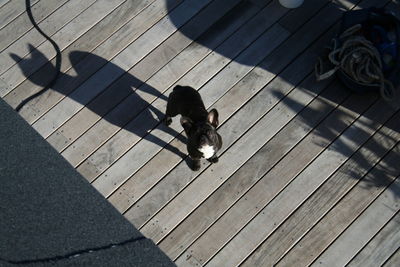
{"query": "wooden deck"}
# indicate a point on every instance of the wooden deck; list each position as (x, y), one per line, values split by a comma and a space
(308, 173)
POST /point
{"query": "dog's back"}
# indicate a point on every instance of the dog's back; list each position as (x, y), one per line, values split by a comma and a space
(186, 101)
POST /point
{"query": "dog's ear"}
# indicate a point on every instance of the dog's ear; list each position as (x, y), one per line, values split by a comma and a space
(213, 117)
(186, 124)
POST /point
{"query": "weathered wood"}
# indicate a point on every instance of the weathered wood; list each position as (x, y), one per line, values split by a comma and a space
(3, 2)
(11, 10)
(270, 185)
(115, 120)
(141, 181)
(86, 64)
(271, 94)
(134, 80)
(301, 38)
(211, 92)
(115, 68)
(182, 166)
(240, 182)
(50, 25)
(381, 247)
(73, 30)
(291, 21)
(299, 189)
(341, 216)
(40, 11)
(229, 104)
(394, 260)
(88, 42)
(198, 76)
(213, 242)
(301, 175)
(341, 182)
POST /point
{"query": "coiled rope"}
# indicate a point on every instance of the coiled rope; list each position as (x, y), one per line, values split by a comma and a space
(359, 59)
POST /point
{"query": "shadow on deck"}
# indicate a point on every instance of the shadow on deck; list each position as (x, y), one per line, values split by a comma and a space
(330, 96)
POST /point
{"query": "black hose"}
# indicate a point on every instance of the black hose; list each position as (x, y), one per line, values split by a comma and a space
(58, 58)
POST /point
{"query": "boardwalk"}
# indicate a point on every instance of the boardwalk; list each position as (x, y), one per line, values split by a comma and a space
(308, 173)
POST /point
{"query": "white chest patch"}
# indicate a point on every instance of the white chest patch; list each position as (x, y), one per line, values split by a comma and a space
(208, 151)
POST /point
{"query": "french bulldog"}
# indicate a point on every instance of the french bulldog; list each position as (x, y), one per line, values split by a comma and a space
(203, 141)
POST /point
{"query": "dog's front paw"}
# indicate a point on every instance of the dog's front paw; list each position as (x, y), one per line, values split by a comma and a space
(196, 164)
(213, 159)
(167, 120)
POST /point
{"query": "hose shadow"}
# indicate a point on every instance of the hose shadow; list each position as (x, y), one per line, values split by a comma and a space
(122, 99)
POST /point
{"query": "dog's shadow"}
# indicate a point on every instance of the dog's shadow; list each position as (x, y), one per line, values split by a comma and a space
(109, 98)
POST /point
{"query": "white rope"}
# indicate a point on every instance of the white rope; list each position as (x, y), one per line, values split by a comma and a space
(359, 59)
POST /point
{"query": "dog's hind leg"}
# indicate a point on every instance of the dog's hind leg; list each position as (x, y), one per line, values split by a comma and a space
(171, 110)
(169, 114)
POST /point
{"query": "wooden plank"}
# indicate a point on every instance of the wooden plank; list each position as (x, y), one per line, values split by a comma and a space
(199, 75)
(172, 183)
(88, 42)
(139, 74)
(341, 182)
(129, 25)
(11, 10)
(65, 36)
(22, 24)
(212, 91)
(149, 175)
(113, 69)
(249, 174)
(290, 22)
(140, 119)
(380, 247)
(230, 225)
(270, 185)
(193, 78)
(394, 260)
(299, 189)
(131, 191)
(341, 216)
(3, 2)
(33, 38)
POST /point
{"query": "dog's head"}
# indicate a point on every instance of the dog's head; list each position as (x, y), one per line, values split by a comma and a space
(203, 135)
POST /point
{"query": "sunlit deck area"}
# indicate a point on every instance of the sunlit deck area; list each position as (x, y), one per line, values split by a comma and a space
(308, 173)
